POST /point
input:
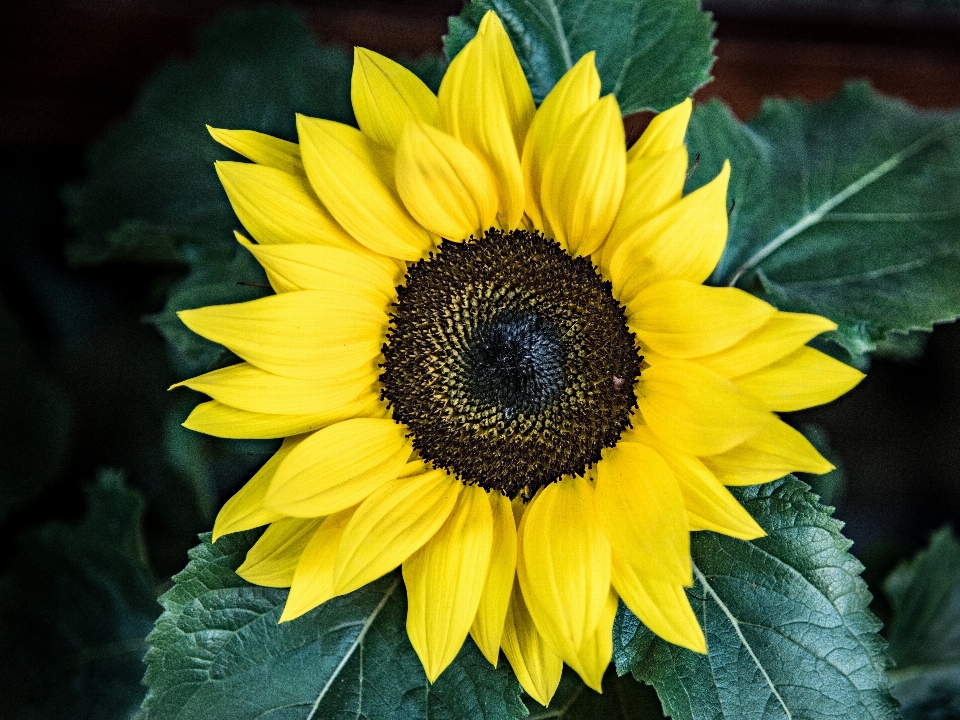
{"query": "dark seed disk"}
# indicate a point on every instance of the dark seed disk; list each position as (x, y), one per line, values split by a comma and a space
(510, 361)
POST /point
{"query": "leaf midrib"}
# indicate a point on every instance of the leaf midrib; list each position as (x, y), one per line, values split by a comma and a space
(358, 641)
(815, 216)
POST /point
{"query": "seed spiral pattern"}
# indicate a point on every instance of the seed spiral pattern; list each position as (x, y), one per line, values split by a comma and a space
(510, 361)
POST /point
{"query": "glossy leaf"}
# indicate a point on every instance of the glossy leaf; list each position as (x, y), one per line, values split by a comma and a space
(651, 54)
(845, 208)
(218, 653)
(786, 621)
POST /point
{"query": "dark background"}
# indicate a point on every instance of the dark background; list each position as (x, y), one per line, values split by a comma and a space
(69, 69)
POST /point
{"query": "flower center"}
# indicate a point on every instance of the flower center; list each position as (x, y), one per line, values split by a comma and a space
(510, 361)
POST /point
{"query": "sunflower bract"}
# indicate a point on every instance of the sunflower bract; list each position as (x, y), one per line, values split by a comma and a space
(494, 364)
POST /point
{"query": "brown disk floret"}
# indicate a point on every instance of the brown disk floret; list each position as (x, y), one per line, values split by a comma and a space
(510, 361)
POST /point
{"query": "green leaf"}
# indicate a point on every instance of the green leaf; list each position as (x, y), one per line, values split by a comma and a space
(152, 191)
(786, 620)
(218, 653)
(846, 208)
(623, 698)
(34, 421)
(925, 631)
(651, 54)
(75, 606)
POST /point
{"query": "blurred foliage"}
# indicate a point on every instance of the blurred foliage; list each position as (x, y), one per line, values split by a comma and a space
(75, 606)
(925, 630)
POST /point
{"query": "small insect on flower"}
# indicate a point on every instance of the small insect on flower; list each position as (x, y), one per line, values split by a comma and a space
(494, 363)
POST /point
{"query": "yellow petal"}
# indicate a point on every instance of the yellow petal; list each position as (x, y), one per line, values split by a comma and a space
(682, 319)
(641, 511)
(447, 188)
(219, 420)
(353, 176)
(696, 411)
(564, 565)
(486, 104)
(709, 505)
(661, 605)
(487, 629)
(338, 466)
(684, 242)
(536, 666)
(311, 583)
(664, 133)
(584, 177)
(780, 335)
(245, 510)
(802, 379)
(574, 94)
(249, 388)
(316, 267)
(277, 207)
(772, 453)
(296, 334)
(273, 558)
(653, 184)
(261, 148)
(391, 525)
(386, 96)
(594, 657)
(445, 579)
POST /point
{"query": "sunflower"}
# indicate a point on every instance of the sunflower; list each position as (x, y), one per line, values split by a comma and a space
(493, 363)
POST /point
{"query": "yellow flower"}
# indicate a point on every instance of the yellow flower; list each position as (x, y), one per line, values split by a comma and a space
(494, 363)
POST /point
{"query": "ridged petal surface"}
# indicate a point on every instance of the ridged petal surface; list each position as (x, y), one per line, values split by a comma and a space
(584, 177)
(695, 410)
(487, 629)
(391, 525)
(564, 565)
(445, 579)
(386, 96)
(339, 466)
(353, 177)
(444, 185)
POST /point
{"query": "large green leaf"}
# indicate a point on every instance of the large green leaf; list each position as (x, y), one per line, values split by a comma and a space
(786, 620)
(75, 606)
(218, 653)
(152, 191)
(925, 631)
(650, 53)
(847, 208)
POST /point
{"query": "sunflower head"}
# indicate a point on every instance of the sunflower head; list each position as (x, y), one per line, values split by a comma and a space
(494, 363)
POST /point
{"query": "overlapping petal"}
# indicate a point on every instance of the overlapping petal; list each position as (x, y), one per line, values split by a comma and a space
(445, 579)
(273, 559)
(386, 96)
(338, 466)
(563, 565)
(445, 186)
(353, 177)
(537, 667)
(583, 179)
(263, 149)
(487, 630)
(485, 103)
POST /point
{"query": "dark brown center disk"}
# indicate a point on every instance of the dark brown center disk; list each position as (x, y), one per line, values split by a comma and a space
(509, 361)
